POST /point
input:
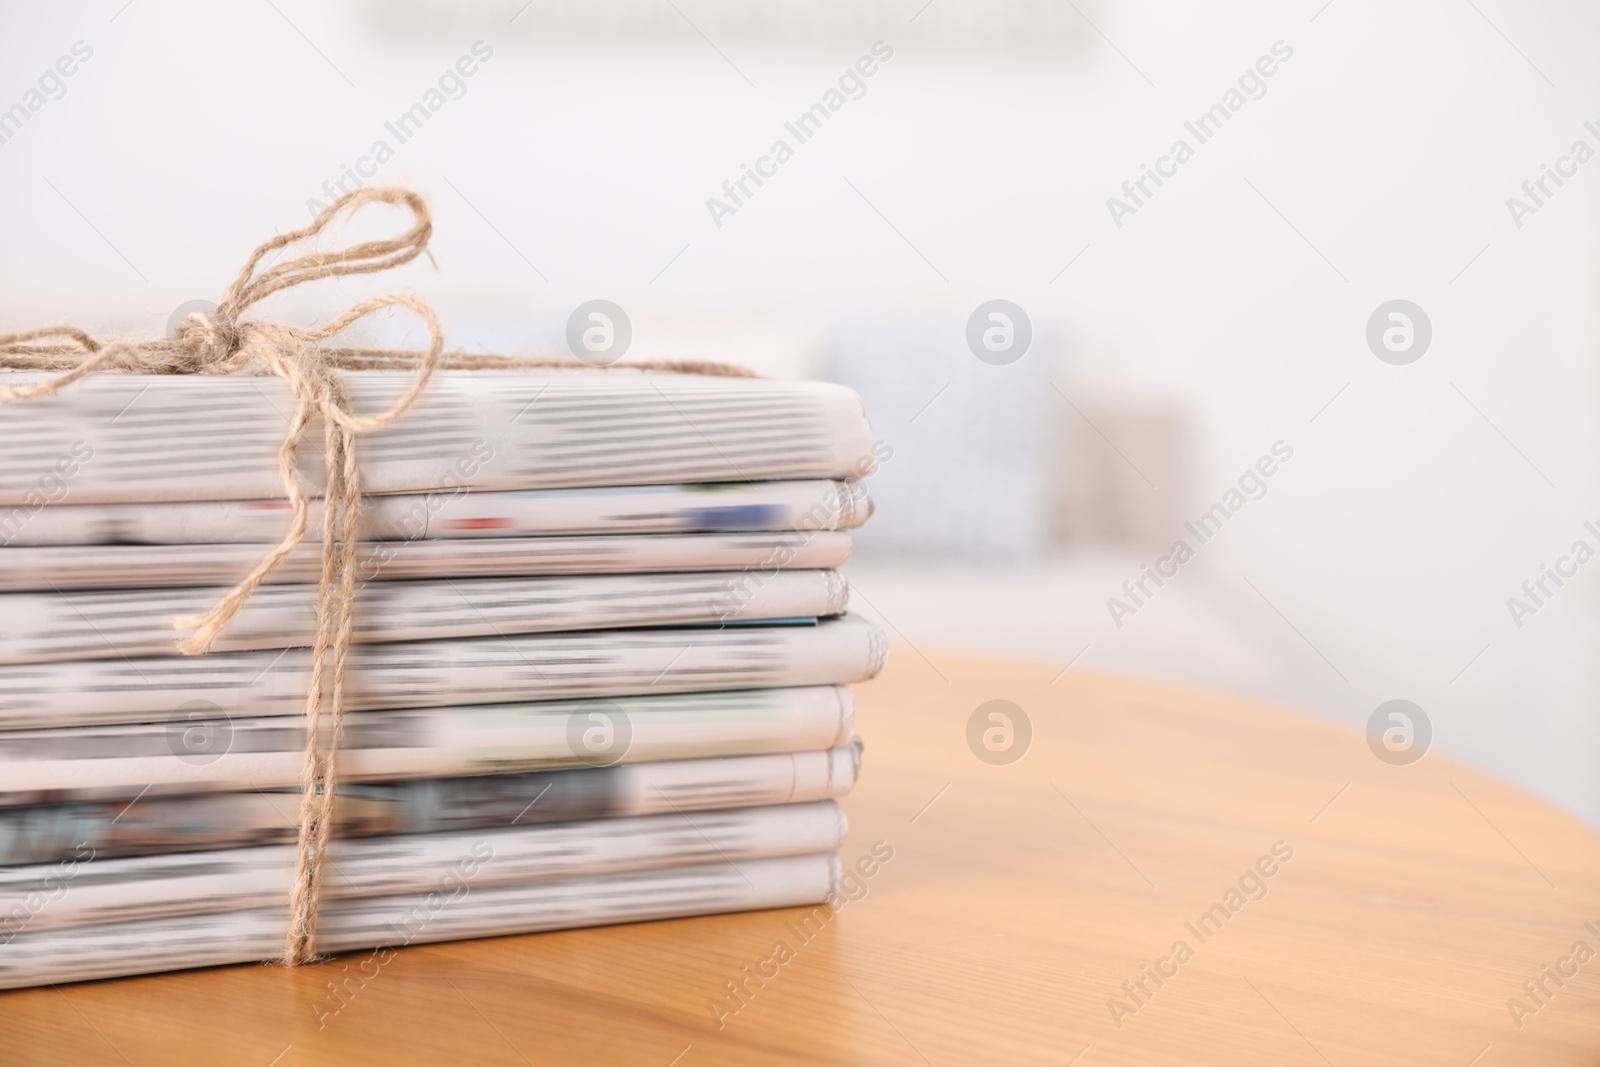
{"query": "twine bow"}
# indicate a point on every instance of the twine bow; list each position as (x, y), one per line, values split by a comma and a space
(222, 343)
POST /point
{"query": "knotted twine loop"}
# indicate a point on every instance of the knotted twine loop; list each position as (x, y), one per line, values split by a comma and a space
(220, 343)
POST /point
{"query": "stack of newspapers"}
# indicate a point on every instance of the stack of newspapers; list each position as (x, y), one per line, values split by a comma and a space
(599, 672)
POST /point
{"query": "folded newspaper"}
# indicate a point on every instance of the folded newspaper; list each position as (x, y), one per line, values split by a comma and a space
(121, 438)
(50, 833)
(433, 674)
(58, 568)
(450, 513)
(197, 883)
(203, 752)
(451, 910)
(600, 651)
(94, 624)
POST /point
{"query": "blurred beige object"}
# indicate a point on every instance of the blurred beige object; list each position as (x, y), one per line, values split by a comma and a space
(1121, 476)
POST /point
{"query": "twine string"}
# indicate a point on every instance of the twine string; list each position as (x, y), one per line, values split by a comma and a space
(222, 343)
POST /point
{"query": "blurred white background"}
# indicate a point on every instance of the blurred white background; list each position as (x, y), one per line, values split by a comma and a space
(1169, 353)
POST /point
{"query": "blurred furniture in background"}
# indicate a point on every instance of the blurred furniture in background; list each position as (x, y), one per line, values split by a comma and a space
(972, 464)
(1121, 477)
(1002, 462)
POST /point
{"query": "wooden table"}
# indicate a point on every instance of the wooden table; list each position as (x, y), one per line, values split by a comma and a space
(1020, 899)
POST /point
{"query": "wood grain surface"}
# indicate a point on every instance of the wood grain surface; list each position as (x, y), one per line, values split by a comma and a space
(1019, 900)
